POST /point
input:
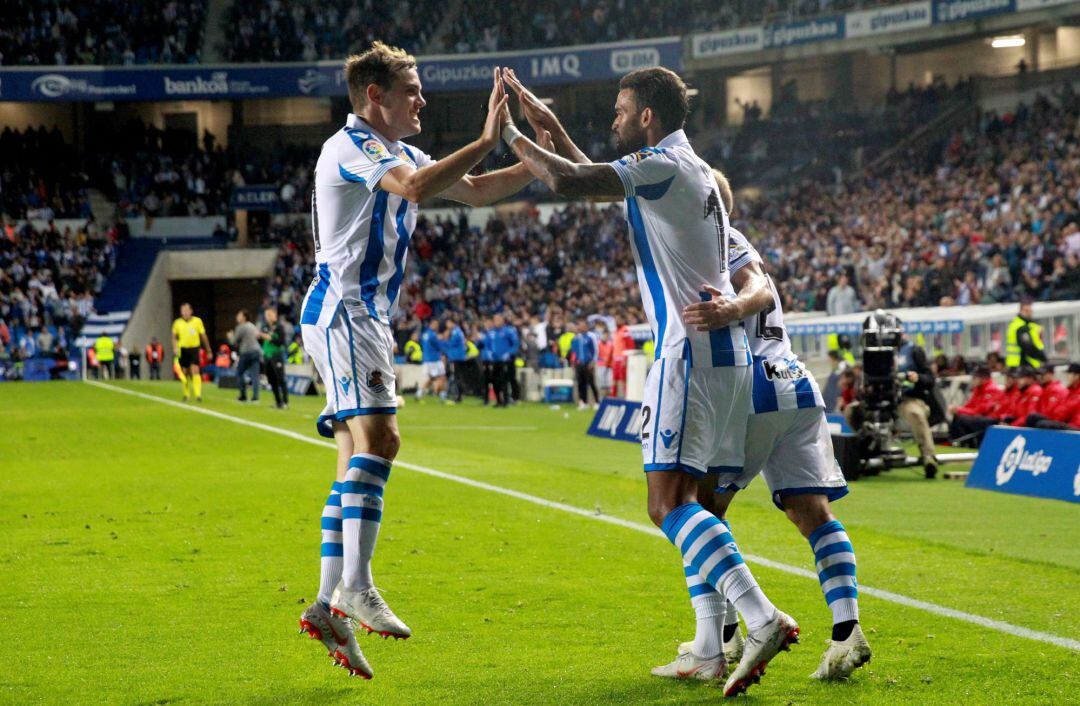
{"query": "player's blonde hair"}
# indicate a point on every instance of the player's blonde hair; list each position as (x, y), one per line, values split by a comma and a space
(726, 195)
(379, 65)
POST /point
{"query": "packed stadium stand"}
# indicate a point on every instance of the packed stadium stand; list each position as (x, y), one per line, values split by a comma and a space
(993, 217)
(41, 175)
(307, 31)
(48, 280)
(101, 32)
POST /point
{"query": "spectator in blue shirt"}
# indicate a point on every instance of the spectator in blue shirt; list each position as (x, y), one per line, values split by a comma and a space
(453, 346)
(434, 369)
(504, 347)
(487, 357)
(582, 356)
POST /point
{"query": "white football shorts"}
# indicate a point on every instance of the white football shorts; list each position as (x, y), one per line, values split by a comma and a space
(355, 359)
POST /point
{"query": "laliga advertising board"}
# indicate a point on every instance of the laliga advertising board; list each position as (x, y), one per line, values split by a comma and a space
(1029, 462)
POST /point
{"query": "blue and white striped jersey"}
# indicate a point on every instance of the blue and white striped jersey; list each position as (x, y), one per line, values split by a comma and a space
(678, 229)
(361, 232)
(780, 379)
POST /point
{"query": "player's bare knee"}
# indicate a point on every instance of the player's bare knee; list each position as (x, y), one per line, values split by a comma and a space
(390, 444)
(659, 508)
(808, 512)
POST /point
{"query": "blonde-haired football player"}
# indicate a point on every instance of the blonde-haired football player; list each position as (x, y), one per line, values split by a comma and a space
(368, 183)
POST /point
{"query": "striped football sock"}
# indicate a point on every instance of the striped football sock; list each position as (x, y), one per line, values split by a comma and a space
(361, 514)
(707, 545)
(834, 558)
(709, 609)
(331, 545)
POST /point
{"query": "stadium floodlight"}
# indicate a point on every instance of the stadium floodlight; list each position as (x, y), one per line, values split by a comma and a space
(1008, 41)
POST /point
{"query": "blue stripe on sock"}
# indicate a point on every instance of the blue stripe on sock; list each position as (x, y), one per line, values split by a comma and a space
(729, 562)
(835, 548)
(835, 570)
(371, 514)
(331, 523)
(371, 466)
(355, 487)
(827, 528)
(336, 487)
(332, 549)
(712, 546)
(702, 589)
(842, 592)
(677, 518)
(334, 501)
(694, 534)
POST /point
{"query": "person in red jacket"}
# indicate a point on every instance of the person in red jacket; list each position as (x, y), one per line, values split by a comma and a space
(605, 359)
(1012, 393)
(1028, 402)
(622, 343)
(971, 419)
(1053, 391)
(1064, 413)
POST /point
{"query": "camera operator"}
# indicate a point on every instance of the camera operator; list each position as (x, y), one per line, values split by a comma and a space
(897, 380)
(919, 406)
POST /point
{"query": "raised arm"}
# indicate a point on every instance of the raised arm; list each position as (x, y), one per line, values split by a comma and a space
(496, 185)
(419, 184)
(561, 175)
(543, 118)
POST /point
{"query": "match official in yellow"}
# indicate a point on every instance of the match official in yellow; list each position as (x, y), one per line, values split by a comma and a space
(189, 335)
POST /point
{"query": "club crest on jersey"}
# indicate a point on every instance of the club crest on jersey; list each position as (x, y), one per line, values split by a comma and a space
(345, 381)
(774, 372)
(375, 150)
(375, 382)
(637, 156)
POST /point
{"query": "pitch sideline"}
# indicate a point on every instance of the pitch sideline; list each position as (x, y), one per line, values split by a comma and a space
(900, 599)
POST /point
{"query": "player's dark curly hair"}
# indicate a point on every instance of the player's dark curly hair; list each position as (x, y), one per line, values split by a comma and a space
(661, 90)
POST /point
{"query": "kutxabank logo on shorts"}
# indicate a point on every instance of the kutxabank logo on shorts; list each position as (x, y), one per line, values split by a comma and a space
(1016, 457)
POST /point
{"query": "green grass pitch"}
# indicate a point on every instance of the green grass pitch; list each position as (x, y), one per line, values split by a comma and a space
(149, 554)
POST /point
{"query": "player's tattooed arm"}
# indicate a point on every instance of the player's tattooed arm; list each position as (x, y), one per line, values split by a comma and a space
(542, 118)
(753, 297)
(419, 184)
(560, 174)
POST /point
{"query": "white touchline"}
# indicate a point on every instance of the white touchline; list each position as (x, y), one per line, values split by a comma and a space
(999, 625)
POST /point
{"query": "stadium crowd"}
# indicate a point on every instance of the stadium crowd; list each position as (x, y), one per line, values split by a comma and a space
(40, 178)
(996, 217)
(271, 30)
(107, 32)
(547, 23)
(48, 279)
(62, 33)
